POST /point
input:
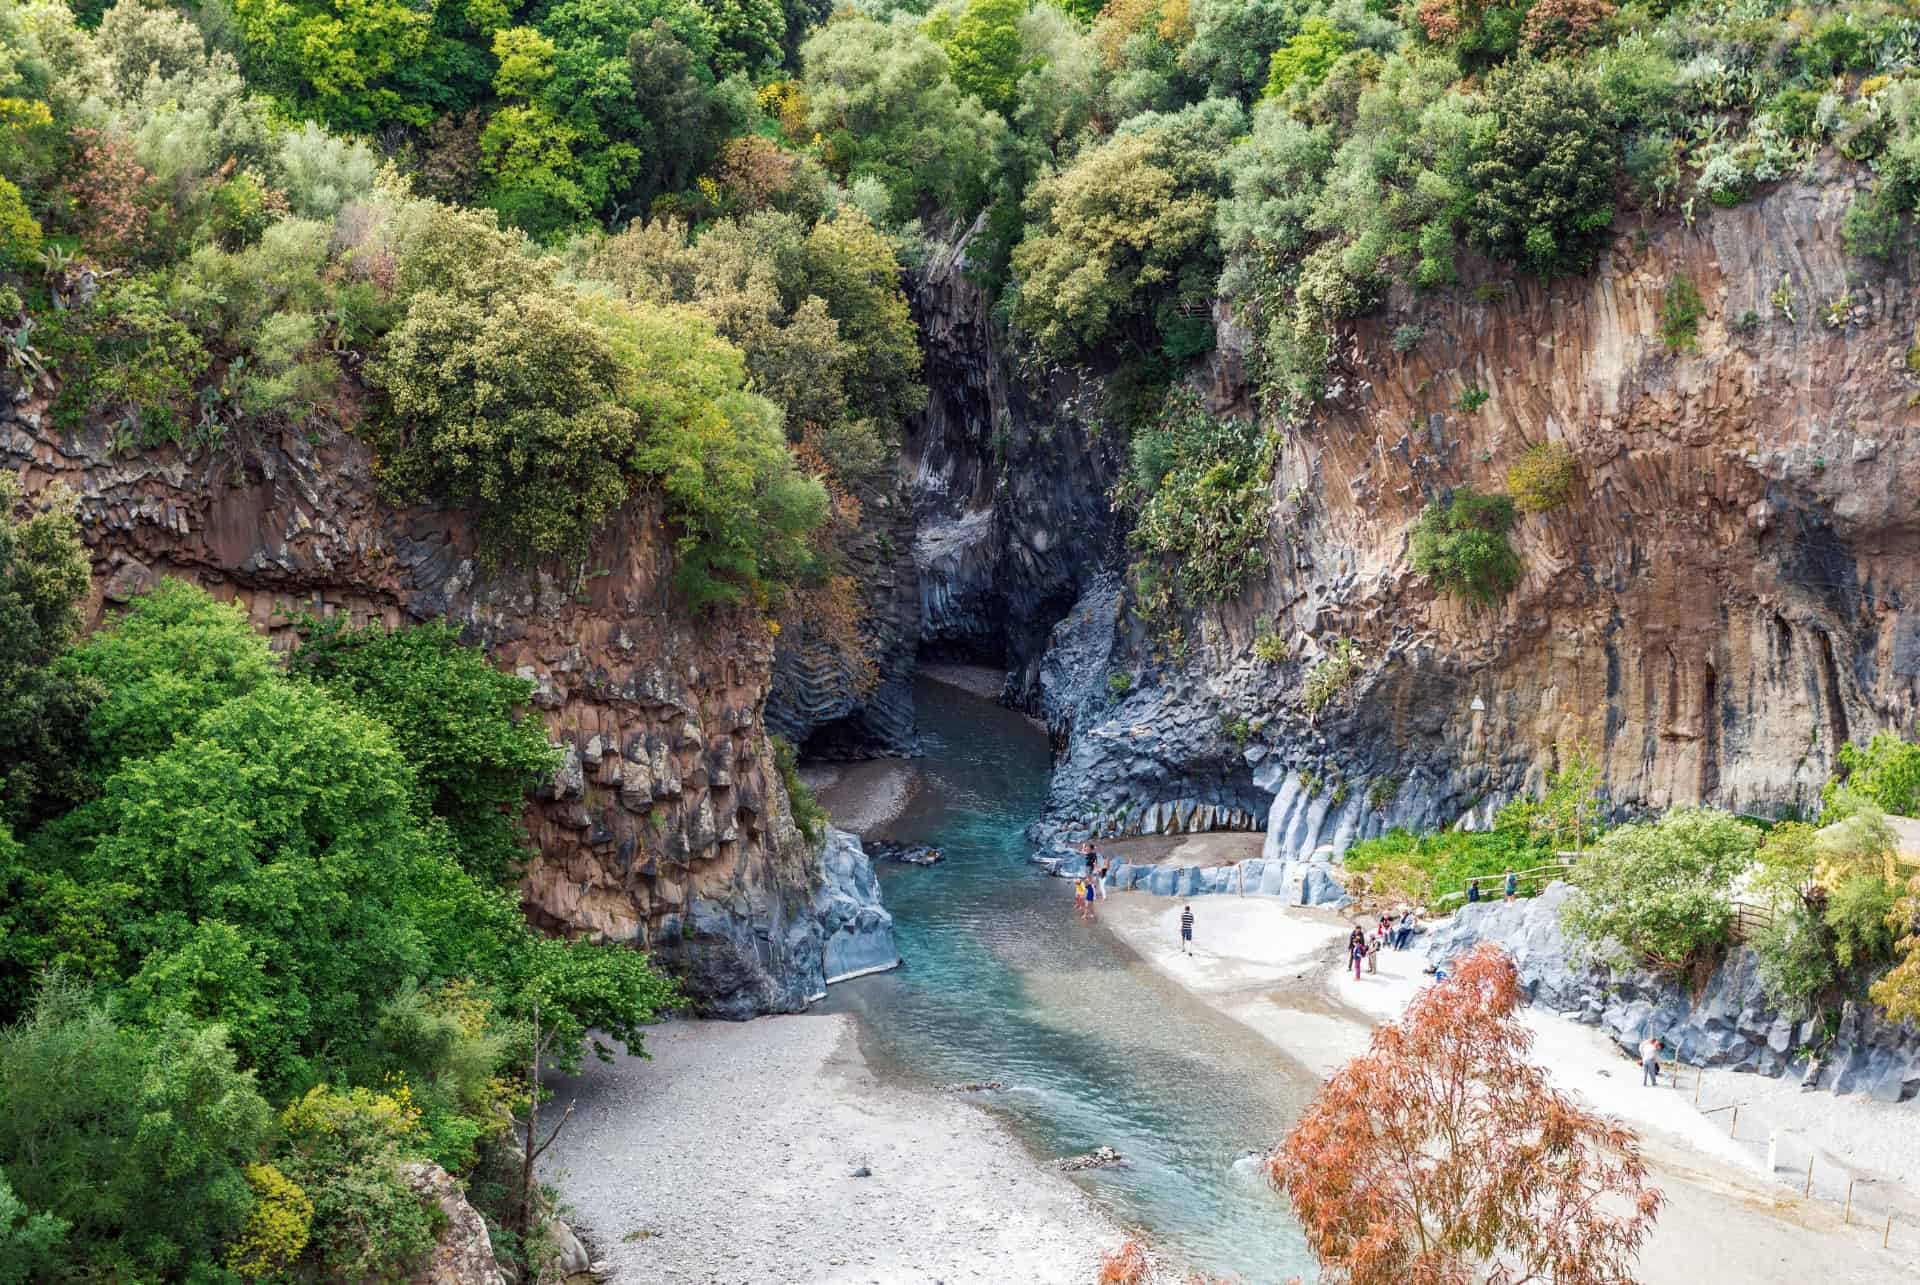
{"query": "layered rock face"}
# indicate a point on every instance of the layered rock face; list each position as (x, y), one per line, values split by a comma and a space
(816, 700)
(1721, 602)
(1730, 1023)
(1008, 474)
(666, 827)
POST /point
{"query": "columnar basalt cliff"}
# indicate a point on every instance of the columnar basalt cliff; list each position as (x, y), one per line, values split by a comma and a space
(666, 825)
(1008, 470)
(1727, 595)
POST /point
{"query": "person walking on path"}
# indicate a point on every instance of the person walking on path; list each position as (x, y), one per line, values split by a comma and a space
(1186, 930)
(1513, 883)
(1473, 891)
(1650, 1061)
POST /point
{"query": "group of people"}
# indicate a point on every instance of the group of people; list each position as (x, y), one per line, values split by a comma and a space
(1091, 886)
(1397, 933)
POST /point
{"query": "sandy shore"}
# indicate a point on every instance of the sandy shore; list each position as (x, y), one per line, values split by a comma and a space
(1277, 969)
(862, 797)
(981, 680)
(729, 1157)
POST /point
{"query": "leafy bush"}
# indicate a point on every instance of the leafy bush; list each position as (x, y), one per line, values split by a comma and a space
(1269, 648)
(1795, 965)
(136, 1139)
(1660, 892)
(1680, 313)
(1331, 675)
(452, 717)
(1543, 174)
(1885, 771)
(1460, 544)
(1542, 478)
(1200, 483)
(346, 1147)
(1438, 865)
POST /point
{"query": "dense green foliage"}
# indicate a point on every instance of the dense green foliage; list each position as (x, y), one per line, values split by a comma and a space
(279, 892)
(1660, 892)
(452, 718)
(1433, 869)
(43, 570)
(1885, 772)
(1460, 544)
(1199, 483)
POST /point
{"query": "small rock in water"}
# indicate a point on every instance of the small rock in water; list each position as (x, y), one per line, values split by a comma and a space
(1098, 1158)
(912, 854)
(976, 1086)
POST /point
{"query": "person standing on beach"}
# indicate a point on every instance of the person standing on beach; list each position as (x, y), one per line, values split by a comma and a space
(1650, 1061)
(1080, 897)
(1186, 930)
(1093, 886)
(1356, 950)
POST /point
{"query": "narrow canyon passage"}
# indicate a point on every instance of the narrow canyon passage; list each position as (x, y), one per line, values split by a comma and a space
(1002, 982)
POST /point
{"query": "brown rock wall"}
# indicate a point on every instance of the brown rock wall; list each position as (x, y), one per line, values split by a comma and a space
(1729, 592)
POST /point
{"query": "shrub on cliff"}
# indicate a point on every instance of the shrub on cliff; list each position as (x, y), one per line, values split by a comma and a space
(1542, 478)
(1460, 544)
(547, 410)
(1200, 484)
(1659, 893)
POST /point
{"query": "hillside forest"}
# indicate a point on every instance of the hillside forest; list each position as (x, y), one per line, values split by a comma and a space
(259, 943)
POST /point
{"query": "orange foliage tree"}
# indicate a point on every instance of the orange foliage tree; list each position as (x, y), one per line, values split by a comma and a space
(1442, 1156)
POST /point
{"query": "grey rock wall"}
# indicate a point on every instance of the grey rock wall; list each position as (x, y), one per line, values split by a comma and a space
(856, 930)
(1728, 1024)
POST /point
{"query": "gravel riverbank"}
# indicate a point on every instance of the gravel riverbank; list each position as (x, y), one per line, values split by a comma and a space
(730, 1158)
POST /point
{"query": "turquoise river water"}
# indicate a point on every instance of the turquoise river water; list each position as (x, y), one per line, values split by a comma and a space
(1002, 982)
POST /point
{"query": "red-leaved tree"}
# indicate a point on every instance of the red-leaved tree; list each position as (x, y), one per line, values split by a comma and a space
(1442, 1156)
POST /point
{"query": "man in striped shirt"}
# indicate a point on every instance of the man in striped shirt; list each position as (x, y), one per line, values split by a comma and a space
(1186, 930)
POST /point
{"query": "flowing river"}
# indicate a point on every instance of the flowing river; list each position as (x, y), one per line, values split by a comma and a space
(1003, 982)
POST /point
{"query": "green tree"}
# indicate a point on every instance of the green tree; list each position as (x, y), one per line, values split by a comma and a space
(1543, 171)
(28, 1241)
(1233, 41)
(1116, 244)
(1304, 61)
(688, 114)
(1885, 771)
(452, 717)
(850, 267)
(982, 40)
(882, 96)
(136, 1138)
(43, 577)
(1660, 892)
(175, 655)
(1460, 544)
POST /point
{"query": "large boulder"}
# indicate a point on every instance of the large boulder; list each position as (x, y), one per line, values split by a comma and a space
(856, 930)
(463, 1254)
